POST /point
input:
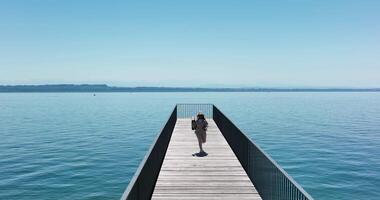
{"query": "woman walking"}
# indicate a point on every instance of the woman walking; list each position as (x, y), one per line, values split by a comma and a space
(200, 131)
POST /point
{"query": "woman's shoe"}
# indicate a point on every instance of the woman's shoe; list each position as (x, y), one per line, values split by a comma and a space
(203, 153)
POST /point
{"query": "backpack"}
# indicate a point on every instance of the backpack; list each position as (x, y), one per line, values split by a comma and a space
(193, 124)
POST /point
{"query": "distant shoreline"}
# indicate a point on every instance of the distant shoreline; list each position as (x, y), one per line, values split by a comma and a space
(105, 88)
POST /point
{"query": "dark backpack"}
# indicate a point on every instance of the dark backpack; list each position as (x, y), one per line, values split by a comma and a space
(193, 124)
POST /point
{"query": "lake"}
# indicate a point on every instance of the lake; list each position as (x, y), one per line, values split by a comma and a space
(81, 146)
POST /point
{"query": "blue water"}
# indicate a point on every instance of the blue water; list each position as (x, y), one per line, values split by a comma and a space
(80, 146)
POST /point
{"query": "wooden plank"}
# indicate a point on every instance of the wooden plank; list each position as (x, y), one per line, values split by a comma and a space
(200, 173)
(216, 176)
(208, 195)
(205, 190)
(179, 197)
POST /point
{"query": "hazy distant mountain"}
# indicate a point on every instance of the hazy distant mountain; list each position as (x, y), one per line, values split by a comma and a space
(106, 88)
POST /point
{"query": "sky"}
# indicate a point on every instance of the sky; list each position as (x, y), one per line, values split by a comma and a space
(289, 43)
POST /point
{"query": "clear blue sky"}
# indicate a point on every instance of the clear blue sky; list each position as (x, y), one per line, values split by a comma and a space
(300, 43)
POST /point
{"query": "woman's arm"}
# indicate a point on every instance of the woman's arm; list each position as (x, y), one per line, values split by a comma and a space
(205, 125)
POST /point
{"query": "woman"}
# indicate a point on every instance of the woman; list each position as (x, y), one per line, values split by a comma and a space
(200, 132)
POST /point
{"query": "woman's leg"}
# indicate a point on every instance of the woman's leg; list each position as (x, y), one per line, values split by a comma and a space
(199, 137)
(204, 135)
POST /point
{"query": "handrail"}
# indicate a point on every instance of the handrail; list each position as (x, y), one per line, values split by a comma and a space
(271, 181)
(143, 182)
(189, 110)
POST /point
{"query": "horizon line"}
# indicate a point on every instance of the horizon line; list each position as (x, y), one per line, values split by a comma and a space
(107, 88)
(191, 87)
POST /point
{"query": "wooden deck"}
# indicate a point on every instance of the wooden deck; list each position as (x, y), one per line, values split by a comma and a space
(216, 176)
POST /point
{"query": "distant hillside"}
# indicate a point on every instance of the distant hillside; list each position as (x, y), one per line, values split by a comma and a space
(106, 88)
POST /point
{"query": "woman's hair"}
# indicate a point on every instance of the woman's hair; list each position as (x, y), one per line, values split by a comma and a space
(200, 116)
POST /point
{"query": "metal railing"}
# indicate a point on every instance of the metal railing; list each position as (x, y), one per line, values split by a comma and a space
(143, 182)
(191, 110)
(270, 180)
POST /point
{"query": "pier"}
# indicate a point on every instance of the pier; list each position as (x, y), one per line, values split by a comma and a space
(235, 167)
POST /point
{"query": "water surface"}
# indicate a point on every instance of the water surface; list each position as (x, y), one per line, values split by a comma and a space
(80, 146)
